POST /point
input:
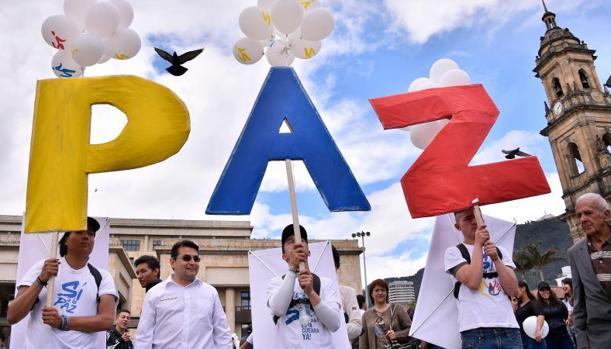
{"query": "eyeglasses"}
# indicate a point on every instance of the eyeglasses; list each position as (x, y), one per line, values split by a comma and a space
(187, 258)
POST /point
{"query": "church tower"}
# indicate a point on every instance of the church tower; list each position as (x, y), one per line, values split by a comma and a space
(578, 113)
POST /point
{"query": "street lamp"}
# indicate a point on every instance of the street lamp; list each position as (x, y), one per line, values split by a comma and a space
(362, 234)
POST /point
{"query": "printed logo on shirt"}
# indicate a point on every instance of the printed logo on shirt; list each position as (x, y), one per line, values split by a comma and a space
(301, 311)
(69, 296)
(489, 287)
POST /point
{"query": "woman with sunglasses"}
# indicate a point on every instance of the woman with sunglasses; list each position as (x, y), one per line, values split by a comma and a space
(556, 314)
(528, 306)
(384, 325)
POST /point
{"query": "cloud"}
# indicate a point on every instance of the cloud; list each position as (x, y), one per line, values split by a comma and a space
(424, 19)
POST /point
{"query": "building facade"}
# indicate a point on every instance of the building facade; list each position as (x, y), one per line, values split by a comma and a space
(578, 114)
(402, 292)
(224, 247)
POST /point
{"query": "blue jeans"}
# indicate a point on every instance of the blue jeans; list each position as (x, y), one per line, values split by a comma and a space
(491, 338)
(530, 343)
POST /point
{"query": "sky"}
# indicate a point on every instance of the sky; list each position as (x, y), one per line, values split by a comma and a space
(376, 49)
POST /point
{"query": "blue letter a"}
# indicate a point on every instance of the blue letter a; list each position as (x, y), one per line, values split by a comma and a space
(283, 97)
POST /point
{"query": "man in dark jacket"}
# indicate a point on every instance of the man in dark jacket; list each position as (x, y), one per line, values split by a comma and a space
(147, 271)
(118, 337)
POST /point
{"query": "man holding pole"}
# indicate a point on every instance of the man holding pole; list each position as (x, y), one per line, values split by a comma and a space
(484, 279)
(83, 297)
(305, 307)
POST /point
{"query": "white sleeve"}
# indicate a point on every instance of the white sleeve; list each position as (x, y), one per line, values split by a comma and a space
(328, 310)
(452, 258)
(30, 276)
(146, 325)
(221, 335)
(351, 308)
(507, 258)
(107, 286)
(280, 293)
(250, 339)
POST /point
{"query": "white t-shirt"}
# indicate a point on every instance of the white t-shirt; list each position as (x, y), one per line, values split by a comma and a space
(296, 331)
(75, 295)
(487, 307)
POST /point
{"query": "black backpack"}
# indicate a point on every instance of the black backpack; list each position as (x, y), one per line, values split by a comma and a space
(465, 254)
(97, 276)
(316, 286)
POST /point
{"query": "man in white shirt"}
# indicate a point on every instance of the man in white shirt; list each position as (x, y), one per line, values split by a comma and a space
(83, 301)
(352, 315)
(183, 312)
(306, 308)
(485, 315)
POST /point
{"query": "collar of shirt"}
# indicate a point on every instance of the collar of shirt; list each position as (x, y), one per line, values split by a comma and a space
(170, 281)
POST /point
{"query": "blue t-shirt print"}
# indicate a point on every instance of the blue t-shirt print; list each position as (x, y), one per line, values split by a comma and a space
(491, 286)
(68, 298)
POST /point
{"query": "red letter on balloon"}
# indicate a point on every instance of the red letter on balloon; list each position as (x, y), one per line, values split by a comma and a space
(441, 180)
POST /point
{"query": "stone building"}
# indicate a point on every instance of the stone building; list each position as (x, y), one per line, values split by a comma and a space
(224, 246)
(579, 119)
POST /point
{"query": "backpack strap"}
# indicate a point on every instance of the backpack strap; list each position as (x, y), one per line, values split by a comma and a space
(465, 254)
(315, 285)
(97, 276)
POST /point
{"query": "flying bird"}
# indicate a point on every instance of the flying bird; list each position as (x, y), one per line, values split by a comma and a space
(176, 68)
(511, 154)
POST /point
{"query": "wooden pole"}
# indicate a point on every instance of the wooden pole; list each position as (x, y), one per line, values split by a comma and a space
(478, 213)
(51, 282)
(291, 181)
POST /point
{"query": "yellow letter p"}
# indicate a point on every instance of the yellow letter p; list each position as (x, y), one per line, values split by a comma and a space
(61, 156)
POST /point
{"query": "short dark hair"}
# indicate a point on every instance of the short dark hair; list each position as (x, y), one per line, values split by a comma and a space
(335, 257)
(288, 231)
(152, 262)
(123, 310)
(183, 243)
(373, 284)
(360, 299)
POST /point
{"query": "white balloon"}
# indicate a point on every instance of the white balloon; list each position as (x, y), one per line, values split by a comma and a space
(279, 55)
(256, 24)
(530, 326)
(126, 12)
(123, 44)
(422, 135)
(304, 49)
(247, 51)
(441, 66)
(58, 31)
(309, 4)
(87, 50)
(76, 10)
(64, 66)
(105, 58)
(455, 77)
(421, 84)
(102, 19)
(287, 15)
(265, 4)
(317, 24)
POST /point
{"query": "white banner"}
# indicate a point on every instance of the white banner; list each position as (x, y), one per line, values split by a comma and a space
(33, 248)
(263, 265)
(436, 318)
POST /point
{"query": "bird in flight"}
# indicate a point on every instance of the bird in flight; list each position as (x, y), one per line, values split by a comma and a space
(511, 154)
(176, 68)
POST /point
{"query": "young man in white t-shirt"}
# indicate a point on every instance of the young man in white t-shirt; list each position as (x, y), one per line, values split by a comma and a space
(80, 308)
(305, 317)
(485, 315)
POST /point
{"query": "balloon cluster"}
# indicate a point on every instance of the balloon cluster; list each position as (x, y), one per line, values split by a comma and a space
(90, 32)
(444, 73)
(282, 30)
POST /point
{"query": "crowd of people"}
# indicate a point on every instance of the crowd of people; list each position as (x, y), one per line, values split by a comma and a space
(183, 311)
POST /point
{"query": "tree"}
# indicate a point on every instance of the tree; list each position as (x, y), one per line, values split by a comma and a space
(522, 263)
(537, 259)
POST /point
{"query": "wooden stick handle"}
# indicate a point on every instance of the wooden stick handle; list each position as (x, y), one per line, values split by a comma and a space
(478, 213)
(291, 181)
(51, 282)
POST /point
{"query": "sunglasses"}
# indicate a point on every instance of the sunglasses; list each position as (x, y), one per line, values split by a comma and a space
(187, 258)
